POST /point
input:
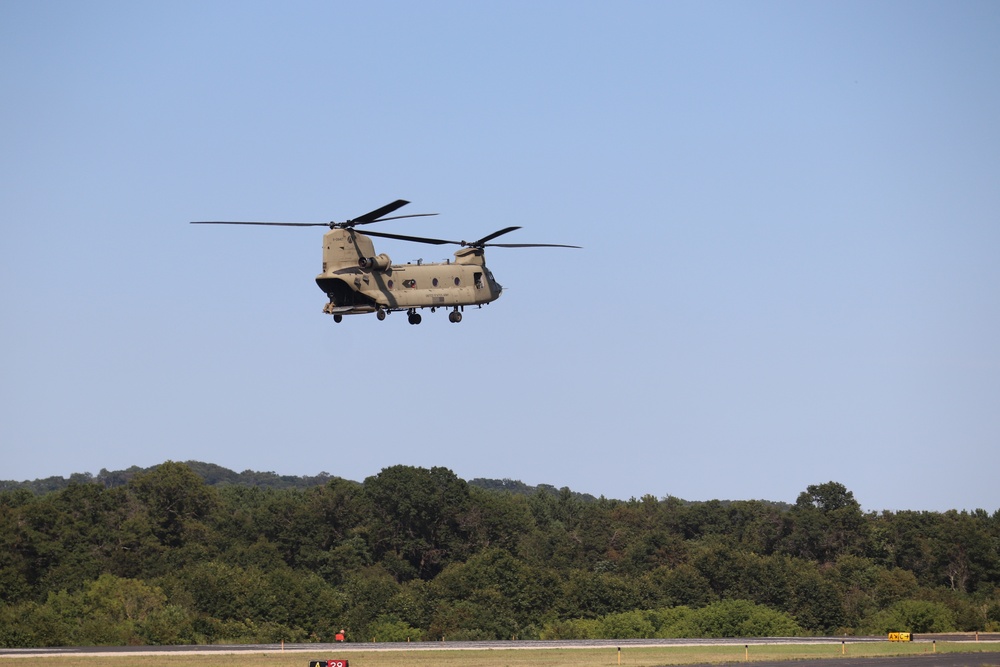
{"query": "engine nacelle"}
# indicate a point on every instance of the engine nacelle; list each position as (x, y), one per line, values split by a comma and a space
(380, 263)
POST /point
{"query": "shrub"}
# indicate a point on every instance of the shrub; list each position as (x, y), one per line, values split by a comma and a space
(738, 618)
(911, 616)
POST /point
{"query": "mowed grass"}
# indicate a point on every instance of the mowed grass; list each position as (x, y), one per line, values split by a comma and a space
(590, 657)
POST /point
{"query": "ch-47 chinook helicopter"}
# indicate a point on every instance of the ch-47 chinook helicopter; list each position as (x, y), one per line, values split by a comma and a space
(358, 281)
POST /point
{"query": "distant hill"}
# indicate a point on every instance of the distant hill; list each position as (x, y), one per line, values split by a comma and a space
(520, 488)
(216, 475)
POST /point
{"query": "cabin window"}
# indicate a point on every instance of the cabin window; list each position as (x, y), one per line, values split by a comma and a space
(410, 283)
(435, 282)
(389, 284)
(457, 281)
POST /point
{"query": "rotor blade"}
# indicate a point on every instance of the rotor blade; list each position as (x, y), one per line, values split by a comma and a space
(270, 224)
(530, 245)
(491, 236)
(415, 239)
(395, 217)
(372, 216)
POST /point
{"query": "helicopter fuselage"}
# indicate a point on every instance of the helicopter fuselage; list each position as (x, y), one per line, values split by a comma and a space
(357, 281)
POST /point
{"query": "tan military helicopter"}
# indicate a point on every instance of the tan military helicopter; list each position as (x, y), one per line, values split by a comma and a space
(358, 281)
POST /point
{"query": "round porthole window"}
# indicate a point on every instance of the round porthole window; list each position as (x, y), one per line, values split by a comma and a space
(389, 284)
(435, 282)
(457, 281)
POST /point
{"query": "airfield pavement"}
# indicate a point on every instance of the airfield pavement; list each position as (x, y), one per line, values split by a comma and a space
(988, 657)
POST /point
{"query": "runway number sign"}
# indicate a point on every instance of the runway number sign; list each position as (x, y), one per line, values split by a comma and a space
(328, 663)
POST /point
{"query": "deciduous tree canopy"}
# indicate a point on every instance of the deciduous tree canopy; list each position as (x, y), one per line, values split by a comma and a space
(194, 553)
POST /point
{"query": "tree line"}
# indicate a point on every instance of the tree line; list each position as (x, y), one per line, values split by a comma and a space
(163, 556)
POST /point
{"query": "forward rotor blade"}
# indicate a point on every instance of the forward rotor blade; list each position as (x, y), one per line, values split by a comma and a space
(529, 245)
(491, 237)
(269, 224)
(481, 243)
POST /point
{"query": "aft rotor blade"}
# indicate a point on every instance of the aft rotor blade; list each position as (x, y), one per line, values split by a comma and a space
(415, 239)
(372, 216)
(269, 224)
(396, 217)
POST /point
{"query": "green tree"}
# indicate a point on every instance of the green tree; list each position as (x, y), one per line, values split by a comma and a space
(30, 624)
(178, 503)
(654, 548)
(512, 595)
(115, 611)
(369, 592)
(413, 603)
(814, 599)
(865, 587)
(496, 519)
(678, 586)
(15, 562)
(595, 594)
(418, 516)
(965, 553)
(716, 560)
(705, 518)
(826, 522)
(757, 526)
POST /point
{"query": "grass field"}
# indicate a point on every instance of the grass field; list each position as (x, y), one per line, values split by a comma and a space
(592, 657)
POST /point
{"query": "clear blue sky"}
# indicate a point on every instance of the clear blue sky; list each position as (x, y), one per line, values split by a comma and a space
(790, 214)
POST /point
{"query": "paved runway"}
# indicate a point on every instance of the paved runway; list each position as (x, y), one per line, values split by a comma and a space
(990, 657)
(923, 660)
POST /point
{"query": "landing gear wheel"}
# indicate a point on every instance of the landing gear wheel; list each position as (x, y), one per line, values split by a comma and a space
(380, 314)
(338, 318)
(454, 316)
(414, 318)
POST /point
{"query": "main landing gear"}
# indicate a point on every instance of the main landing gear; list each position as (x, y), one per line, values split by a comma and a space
(412, 316)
